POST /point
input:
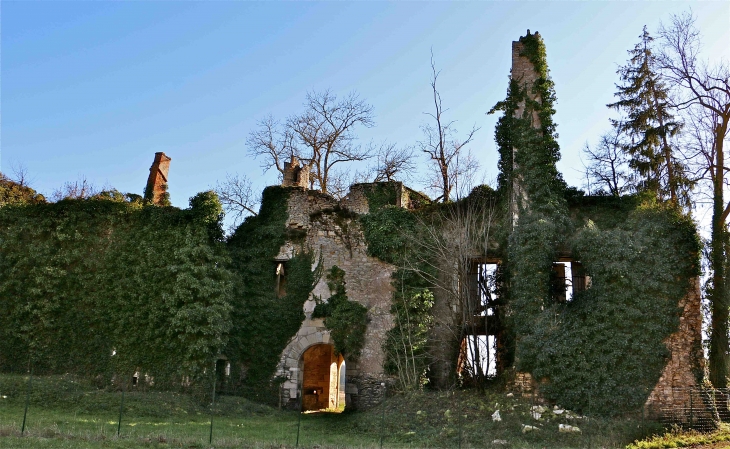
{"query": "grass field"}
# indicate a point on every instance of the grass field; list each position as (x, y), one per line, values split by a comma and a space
(66, 413)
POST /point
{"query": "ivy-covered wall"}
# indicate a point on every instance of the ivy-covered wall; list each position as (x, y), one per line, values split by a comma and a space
(104, 286)
(265, 317)
(607, 345)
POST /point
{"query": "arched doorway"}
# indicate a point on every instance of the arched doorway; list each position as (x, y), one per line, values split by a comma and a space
(323, 379)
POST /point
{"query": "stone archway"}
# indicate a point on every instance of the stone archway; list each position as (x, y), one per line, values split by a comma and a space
(322, 378)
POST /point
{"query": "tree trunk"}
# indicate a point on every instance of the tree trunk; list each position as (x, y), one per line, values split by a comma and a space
(719, 346)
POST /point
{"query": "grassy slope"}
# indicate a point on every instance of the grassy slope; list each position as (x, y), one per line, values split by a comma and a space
(68, 414)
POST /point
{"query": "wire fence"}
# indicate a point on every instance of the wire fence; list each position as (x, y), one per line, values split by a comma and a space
(78, 409)
(701, 409)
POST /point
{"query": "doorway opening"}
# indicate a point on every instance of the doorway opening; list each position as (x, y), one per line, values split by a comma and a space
(323, 379)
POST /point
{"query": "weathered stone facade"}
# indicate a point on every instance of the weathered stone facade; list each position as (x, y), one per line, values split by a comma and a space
(685, 364)
(334, 233)
(340, 242)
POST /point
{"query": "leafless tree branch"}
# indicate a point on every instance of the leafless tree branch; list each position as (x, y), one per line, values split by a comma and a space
(237, 197)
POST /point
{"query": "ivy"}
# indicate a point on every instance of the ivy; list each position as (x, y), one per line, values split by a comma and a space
(388, 231)
(346, 320)
(607, 344)
(381, 194)
(264, 318)
(103, 285)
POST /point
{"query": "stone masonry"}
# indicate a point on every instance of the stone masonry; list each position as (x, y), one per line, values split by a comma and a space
(157, 181)
(685, 364)
(367, 280)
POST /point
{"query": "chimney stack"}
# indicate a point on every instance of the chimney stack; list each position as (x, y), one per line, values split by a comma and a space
(156, 190)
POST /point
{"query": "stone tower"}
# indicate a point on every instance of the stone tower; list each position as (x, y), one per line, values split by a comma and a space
(523, 72)
(157, 181)
(295, 175)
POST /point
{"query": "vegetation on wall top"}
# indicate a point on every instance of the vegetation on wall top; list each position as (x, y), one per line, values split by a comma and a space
(129, 287)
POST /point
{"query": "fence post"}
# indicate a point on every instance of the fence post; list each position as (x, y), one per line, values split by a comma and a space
(458, 416)
(643, 423)
(27, 399)
(212, 404)
(590, 394)
(382, 415)
(121, 407)
(691, 410)
(299, 421)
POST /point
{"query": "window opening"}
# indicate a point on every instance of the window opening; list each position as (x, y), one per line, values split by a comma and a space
(280, 279)
(478, 353)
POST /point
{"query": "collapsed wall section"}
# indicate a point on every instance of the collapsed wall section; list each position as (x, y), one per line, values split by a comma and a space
(685, 364)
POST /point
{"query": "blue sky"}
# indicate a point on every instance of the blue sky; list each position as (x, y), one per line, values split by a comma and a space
(95, 88)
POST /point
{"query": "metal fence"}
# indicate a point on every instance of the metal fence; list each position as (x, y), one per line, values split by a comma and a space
(702, 408)
(74, 409)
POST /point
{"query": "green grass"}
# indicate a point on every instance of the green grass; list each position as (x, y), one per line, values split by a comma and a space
(679, 438)
(67, 413)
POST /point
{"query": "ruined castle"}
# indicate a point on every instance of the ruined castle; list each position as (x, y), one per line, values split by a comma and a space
(316, 377)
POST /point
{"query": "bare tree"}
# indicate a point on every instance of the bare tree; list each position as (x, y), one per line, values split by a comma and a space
(607, 164)
(237, 197)
(446, 152)
(20, 174)
(79, 189)
(322, 136)
(271, 142)
(393, 163)
(453, 238)
(703, 91)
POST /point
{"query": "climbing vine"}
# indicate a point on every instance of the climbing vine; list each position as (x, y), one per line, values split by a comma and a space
(103, 285)
(346, 320)
(266, 315)
(607, 345)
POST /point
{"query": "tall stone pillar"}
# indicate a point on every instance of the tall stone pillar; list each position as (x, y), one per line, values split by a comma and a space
(157, 182)
(524, 74)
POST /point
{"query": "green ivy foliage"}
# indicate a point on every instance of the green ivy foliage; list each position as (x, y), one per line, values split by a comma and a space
(346, 320)
(264, 319)
(81, 280)
(381, 194)
(543, 221)
(607, 345)
(406, 344)
(537, 149)
(387, 232)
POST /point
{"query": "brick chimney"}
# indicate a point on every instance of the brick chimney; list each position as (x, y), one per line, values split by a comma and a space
(157, 182)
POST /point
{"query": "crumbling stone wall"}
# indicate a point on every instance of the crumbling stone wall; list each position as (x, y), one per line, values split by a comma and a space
(685, 364)
(334, 234)
(337, 237)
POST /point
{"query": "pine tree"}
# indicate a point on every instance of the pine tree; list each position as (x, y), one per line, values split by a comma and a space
(649, 125)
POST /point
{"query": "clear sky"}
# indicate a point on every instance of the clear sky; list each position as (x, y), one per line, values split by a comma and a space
(95, 88)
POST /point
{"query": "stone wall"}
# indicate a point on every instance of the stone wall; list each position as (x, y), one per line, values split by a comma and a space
(333, 233)
(686, 361)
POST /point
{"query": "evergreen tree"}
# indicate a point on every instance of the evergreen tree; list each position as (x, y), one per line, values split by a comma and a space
(649, 125)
